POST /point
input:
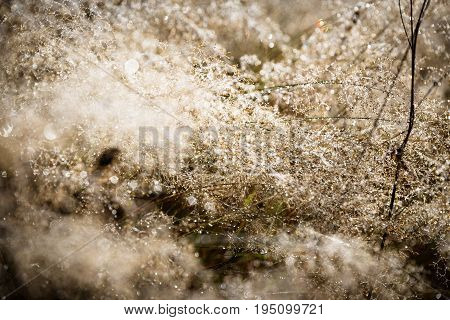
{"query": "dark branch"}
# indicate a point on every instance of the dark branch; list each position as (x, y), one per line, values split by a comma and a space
(400, 150)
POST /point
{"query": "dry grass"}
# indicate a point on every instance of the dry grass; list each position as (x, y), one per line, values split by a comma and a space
(202, 149)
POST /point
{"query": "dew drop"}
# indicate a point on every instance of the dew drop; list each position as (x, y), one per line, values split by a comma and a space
(192, 201)
(49, 132)
(6, 130)
(133, 184)
(131, 67)
(114, 179)
(157, 188)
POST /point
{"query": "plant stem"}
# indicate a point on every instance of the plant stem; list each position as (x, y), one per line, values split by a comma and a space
(400, 151)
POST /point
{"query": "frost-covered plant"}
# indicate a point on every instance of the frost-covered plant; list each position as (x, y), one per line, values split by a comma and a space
(220, 149)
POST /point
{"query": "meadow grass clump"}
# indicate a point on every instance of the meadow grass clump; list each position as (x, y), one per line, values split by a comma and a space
(188, 149)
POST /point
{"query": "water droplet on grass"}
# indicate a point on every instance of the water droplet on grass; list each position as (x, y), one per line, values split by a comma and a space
(50, 133)
(114, 179)
(192, 201)
(131, 67)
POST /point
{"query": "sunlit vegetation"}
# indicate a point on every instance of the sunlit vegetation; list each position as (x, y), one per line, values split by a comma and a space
(224, 149)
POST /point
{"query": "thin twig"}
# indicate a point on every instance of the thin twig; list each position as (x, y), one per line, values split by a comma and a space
(320, 82)
(400, 150)
(403, 22)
